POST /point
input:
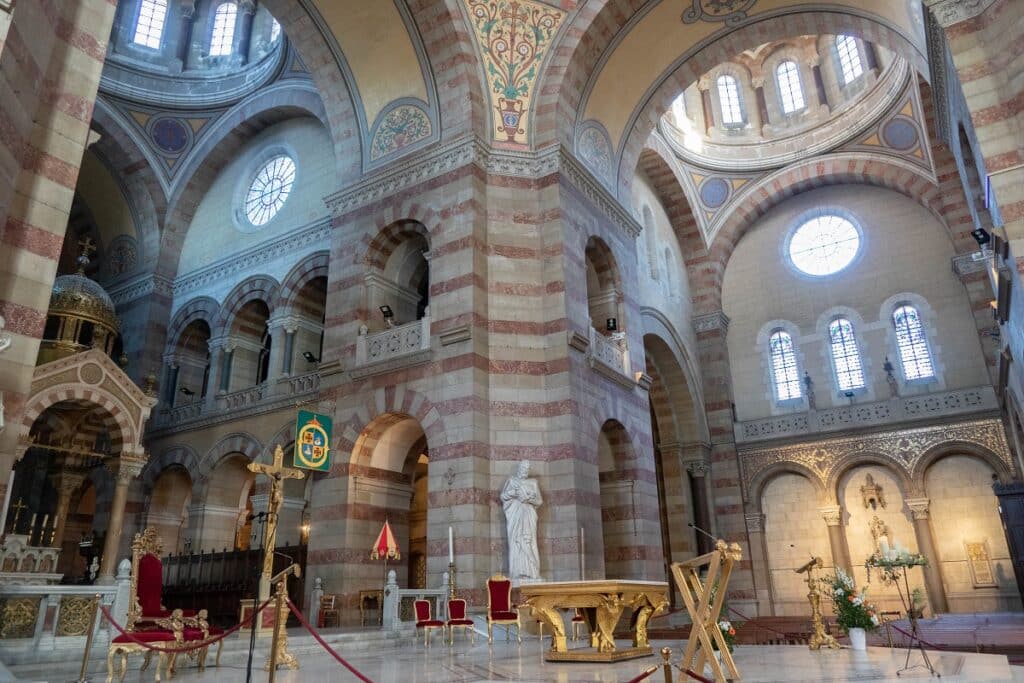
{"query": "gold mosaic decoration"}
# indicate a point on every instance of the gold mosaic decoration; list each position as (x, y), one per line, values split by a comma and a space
(18, 617)
(75, 616)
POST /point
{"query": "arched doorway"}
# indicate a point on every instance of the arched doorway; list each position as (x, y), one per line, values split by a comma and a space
(394, 449)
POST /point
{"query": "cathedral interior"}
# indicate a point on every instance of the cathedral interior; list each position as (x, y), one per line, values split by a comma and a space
(744, 266)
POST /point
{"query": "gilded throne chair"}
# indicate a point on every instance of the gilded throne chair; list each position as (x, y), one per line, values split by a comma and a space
(150, 621)
(500, 610)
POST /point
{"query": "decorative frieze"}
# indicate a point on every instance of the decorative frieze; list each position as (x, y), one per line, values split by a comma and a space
(711, 322)
(139, 287)
(974, 262)
(824, 459)
(950, 12)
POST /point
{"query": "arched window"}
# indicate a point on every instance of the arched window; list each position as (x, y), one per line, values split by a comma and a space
(849, 59)
(785, 374)
(223, 36)
(729, 99)
(788, 77)
(912, 344)
(275, 30)
(679, 109)
(845, 355)
(149, 27)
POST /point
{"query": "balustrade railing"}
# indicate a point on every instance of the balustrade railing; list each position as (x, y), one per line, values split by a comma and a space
(395, 342)
(939, 404)
(300, 384)
(611, 353)
(241, 398)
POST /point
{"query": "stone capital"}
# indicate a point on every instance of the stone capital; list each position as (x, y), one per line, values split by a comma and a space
(698, 468)
(755, 522)
(950, 12)
(128, 467)
(832, 514)
(918, 507)
(247, 6)
(187, 8)
(67, 483)
(711, 322)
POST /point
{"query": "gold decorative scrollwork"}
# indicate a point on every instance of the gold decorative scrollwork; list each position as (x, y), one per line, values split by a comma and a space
(75, 616)
(19, 617)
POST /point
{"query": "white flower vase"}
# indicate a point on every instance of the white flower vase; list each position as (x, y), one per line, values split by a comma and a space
(858, 639)
(707, 666)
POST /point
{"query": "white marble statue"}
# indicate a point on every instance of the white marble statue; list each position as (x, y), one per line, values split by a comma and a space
(520, 498)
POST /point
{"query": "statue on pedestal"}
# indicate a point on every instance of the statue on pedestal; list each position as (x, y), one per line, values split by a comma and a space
(520, 498)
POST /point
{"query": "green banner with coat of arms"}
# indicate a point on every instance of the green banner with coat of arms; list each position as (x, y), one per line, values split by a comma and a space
(312, 441)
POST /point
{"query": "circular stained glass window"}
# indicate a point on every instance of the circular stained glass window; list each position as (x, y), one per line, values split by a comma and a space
(824, 245)
(269, 189)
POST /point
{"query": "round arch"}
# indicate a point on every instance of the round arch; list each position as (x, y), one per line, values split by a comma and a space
(258, 287)
(851, 462)
(756, 487)
(1000, 466)
(239, 442)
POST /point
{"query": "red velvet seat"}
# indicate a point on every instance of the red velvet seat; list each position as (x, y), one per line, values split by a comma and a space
(500, 610)
(425, 621)
(146, 636)
(578, 622)
(457, 619)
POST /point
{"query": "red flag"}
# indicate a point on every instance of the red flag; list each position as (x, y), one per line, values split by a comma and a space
(385, 546)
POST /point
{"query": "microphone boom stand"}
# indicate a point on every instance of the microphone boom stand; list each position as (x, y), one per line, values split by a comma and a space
(261, 517)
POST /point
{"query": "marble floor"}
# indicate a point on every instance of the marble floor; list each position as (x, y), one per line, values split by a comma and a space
(411, 662)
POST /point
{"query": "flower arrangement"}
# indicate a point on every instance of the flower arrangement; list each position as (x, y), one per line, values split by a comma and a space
(852, 608)
(728, 633)
(891, 561)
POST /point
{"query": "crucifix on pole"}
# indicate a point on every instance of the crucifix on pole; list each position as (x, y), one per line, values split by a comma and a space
(277, 473)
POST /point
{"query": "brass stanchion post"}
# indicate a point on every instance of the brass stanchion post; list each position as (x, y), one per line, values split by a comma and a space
(666, 654)
(88, 639)
(276, 638)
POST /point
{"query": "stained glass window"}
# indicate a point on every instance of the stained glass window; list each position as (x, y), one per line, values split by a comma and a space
(729, 99)
(223, 36)
(785, 374)
(788, 77)
(149, 27)
(269, 189)
(845, 355)
(849, 58)
(913, 347)
(824, 245)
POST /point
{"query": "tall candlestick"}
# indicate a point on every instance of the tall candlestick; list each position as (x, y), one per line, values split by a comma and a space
(451, 547)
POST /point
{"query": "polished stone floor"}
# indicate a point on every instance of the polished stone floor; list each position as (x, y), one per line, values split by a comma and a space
(410, 662)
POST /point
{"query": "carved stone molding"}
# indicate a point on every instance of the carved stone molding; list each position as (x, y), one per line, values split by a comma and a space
(138, 287)
(755, 522)
(969, 264)
(902, 448)
(711, 322)
(918, 507)
(455, 335)
(453, 155)
(950, 12)
(832, 514)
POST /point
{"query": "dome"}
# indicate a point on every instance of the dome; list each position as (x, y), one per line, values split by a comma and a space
(77, 296)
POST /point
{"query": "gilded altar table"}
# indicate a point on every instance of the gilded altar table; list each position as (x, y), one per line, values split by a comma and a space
(602, 604)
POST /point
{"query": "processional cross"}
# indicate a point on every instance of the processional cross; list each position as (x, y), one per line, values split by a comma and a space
(277, 473)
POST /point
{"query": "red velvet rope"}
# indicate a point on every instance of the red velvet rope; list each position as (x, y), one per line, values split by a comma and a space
(330, 650)
(175, 650)
(644, 675)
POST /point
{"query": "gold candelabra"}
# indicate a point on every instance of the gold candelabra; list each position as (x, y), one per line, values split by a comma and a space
(819, 638)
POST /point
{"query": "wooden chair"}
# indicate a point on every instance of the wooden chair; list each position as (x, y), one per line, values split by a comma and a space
(500, 610)
(328, 611)
(371, 601)
(425, 622)
(457, 619)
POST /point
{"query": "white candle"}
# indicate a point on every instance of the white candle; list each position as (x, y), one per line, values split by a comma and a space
(451, 547)
(32, 524)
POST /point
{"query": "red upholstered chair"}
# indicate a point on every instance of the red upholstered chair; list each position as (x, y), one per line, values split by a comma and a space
(457, 619)
(425, 622)
(500, 610)
(578, 624)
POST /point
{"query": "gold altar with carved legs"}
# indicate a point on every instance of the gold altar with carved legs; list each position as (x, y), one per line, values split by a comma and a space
(602, 604)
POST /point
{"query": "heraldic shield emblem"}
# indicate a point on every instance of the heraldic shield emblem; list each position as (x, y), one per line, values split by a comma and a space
(731, 12)
(312, 441)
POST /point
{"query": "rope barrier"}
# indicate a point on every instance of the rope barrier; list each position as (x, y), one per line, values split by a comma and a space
(695, 676)
(130, 635)
(317, 638)
(644, 675)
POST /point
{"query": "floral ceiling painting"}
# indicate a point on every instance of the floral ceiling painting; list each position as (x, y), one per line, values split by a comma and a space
(513, 37)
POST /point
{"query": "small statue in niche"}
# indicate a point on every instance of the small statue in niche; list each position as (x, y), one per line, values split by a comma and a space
(879, 533)
(890, 378)
(809, 384)
(872, 493)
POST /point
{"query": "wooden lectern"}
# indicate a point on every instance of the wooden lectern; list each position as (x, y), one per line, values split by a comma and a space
(704, 614)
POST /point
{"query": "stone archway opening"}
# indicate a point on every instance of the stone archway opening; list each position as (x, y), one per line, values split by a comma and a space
(604, 290)
(401, 280)
(168, 508)
(395, 450)
(226, 521)
(190, 367)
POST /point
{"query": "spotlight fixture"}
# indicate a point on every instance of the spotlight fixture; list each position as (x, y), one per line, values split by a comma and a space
(187, 391)
(981, 236)
(386, 311)
(611, 324)
(308, 355)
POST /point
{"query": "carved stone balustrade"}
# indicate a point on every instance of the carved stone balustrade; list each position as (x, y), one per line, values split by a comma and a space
(241, 398)
(22, 563)
(299, 384)
(396, 347)
(862, 415)
(610, 357)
